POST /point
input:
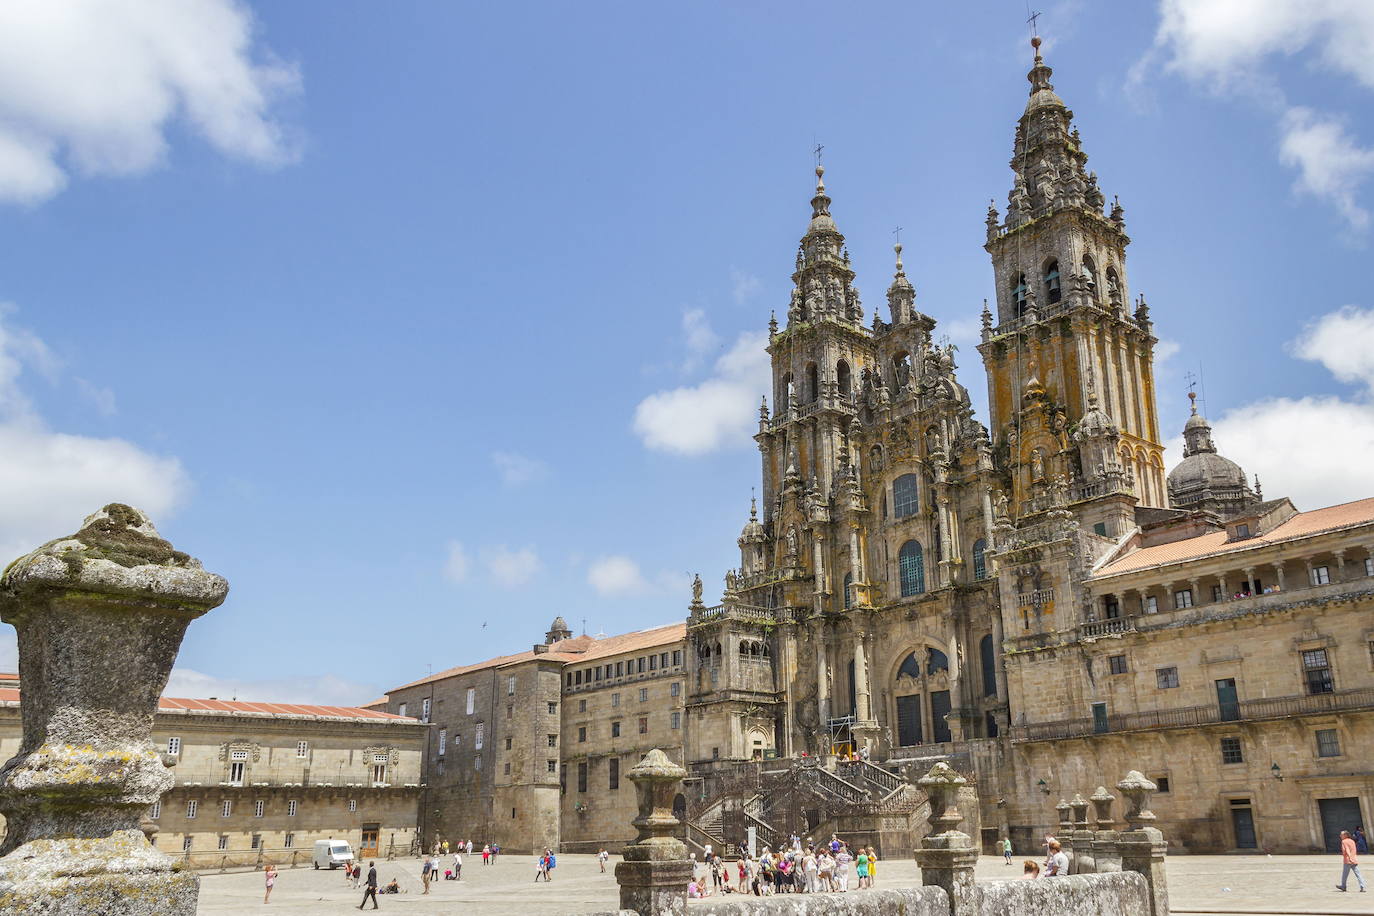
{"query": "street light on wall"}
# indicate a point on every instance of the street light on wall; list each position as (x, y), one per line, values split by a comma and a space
(1044, 786)
(1277, 771)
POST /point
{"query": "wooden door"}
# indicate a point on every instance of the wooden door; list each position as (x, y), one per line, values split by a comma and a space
(367, 849)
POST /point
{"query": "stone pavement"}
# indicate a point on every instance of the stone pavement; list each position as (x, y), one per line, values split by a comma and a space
(1252, 885)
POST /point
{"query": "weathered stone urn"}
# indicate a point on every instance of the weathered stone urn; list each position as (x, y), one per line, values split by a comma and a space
(100, 617)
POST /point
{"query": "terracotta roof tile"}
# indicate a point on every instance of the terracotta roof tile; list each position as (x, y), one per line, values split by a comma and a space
(1345, 515)
(181, 704)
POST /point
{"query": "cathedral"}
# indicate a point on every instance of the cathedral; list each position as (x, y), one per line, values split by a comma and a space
(1032, 599)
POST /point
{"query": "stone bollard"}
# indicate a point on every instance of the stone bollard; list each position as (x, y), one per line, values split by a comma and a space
(1105, 853)
(946, 855)
(654, 871)
(100, 617)
(1083, 862)
(1142, 846)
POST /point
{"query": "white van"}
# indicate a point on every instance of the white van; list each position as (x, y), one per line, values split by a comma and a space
(332, 853)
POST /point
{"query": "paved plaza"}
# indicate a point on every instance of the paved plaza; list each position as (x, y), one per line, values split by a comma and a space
(1252, 885)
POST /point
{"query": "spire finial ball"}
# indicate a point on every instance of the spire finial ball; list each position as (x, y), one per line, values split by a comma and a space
(1035, 42)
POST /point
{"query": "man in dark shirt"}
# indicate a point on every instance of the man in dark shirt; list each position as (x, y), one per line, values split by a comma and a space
(371, 885)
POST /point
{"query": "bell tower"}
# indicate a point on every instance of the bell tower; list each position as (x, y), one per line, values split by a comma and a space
(1065, 341)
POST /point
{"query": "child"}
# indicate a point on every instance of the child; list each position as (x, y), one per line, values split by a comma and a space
(1031, 869)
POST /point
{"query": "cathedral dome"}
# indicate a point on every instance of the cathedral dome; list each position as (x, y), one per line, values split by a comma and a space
(1206, 471)
(1205, 479)
(753, 530)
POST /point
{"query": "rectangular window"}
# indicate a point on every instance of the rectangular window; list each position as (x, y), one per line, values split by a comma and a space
(1242, 530)
(155, 811)
(1216, 593)
(653, 662)
(613, 772)
(173, 747)
(582, 734)
(553, 741)
(509, 742)
(481, 734)
(1101, 724)
(186, 844)
(379, 774)
(578, 679)
(443, 741)
(289, 840)
(552, 765)
(259, 808)
(236, 773)
(582, 777)
(424, 709)
(553, 709)
(191, 807)
(1369, 566)
(677, 658)
(644, 694)
(1116, 664)
(510, 686)
(510, 711)
(1166, 678)
(472, 700)
(1328, 743)
(303, 748)
(1317, 671)
(905, 496)
(619, 669)
(1161, 784)
(477, 762)
(1321, 575)
(641, 664)
(675, 689)
(615, 699)
(505, 770)
(291, 805)
(644, 725)
(569, 684)
(581, 705)
(615, 729)
(715, 753)
(1151, 604)
(352, 805)
(676, 719)
(663, 659)
(1183, 598)
(1230, 751)
(597, 673)
(401, 709)
(226, 808)
(1099, 529)
(256, 842)
(223, 841)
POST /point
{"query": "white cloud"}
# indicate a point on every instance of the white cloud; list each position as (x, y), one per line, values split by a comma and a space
(616, 576)
(744, 286)
(1313, 449)
(1165, 350)
(93, 86)
(50, 481)
(516, 469)
(698, 337)
(1227, 45)
(720, 412)
(324, 689)
(101, 397)
(456, 563)
(511, 567)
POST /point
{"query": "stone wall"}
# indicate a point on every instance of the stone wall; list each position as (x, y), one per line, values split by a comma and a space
(1116, 894)
(909, 901)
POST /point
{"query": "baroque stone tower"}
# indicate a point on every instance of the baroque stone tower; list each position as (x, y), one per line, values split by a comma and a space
(1070, 365)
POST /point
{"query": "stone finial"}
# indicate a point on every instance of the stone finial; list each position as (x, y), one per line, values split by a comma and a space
(654, 874)
(942, 785)
(1102, 808)
(100, 616)
(1137, 790)
(1079, 805)
(1065, 814)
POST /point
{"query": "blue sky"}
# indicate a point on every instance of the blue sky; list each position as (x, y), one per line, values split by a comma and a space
(424, 323)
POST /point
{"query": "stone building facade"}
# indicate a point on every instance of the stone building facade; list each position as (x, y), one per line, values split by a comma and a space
(263, 781)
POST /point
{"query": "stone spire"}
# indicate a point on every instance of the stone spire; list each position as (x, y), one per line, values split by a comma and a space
(823, 280)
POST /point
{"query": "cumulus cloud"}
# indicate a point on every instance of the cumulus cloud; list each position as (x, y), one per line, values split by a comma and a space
(1313, 449)
(93, 86)
(744, 286)
(698, 337)
(324, 689)
(50, 480)
(1226, 45)
(720, 412)
(614, 576)
(511, 567)
(517, 470)
(456, 562)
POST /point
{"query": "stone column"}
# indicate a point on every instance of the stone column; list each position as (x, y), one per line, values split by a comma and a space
(1340, 565)
(1250, 579)
(1142, 846)
(861, 696)
(655, 870)
(1278, 575)
(1105, 854)
(100, 617)
(1225, 595)
(947, 856)
(822, 678)
(1083, 862)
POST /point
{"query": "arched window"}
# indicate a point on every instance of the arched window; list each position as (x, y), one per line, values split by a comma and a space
(901, 370)
(988, 658)
(1052, 282)
(1113, 285)
(912, 566)
(848, 582)
(842, 378)
(911, 666)
(905, 496)
(936, 661)
(980, 562)
(1018, 296)
(813, 384)
(1090, 271)
(784, 396)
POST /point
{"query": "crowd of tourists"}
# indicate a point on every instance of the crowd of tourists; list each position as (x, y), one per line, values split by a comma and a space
(809, 868)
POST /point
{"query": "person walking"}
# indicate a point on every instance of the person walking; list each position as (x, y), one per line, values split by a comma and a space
(427, 873)
(601, 858)
(270, 875)
(458, 863)
(1006, 849)
(1349, 861)
(371, 885)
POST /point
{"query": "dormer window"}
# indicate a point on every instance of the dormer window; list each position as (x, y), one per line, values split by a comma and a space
(1052, 291)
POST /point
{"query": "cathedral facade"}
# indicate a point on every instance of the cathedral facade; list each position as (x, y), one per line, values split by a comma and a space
(1032, 598)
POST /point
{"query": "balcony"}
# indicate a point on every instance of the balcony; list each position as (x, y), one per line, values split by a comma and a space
(1193, 716)
(1112, 626)
(766, 615)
